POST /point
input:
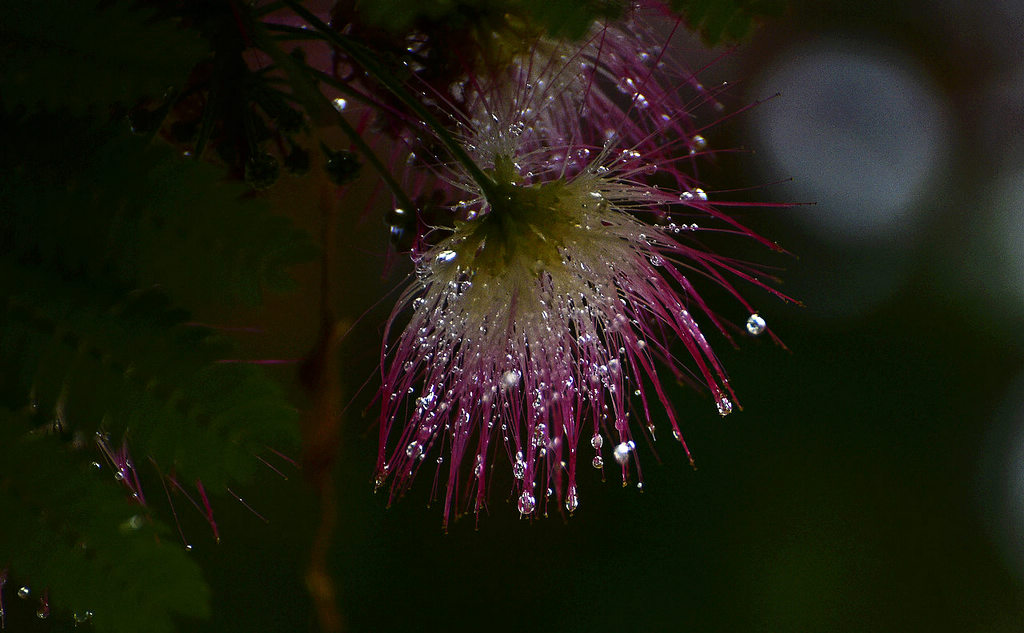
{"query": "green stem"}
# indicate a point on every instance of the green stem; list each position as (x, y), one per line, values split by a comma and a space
(365, 59)
(357, 140)
(268, 8)
(321, 110)
(292, 32)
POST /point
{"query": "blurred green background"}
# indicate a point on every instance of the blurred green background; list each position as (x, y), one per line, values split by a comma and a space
(874, 480)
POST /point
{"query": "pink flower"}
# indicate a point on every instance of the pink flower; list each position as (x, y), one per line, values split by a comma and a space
(539, 321)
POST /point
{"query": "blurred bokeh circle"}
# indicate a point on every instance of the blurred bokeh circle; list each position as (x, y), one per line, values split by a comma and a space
(862, 132)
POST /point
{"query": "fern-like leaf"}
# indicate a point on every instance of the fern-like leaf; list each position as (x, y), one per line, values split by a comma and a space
(65, 528)
(109, 205)
(85, 358)
(726, 20)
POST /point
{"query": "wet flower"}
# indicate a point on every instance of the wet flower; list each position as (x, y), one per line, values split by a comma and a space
(539, 321)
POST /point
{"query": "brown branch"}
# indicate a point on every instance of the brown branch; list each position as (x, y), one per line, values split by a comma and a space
(321, 424)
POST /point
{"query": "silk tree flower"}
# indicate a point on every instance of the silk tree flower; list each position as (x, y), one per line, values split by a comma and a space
(539, 321)
(618, 81)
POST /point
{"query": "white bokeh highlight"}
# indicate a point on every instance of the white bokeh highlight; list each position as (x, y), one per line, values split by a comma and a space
(862, 133)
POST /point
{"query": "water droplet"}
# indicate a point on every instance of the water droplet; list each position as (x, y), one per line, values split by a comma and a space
(597, 441)
(699, 142)
(340, 104)
(519, 467)
(446, 256)
(622, 451)
(414, 450)
(724, 406)
(510, 379)
(526, 503)
(598, 461)
(43, 611)
(572, 500)
(700, 194)
(656, 260)
(756, 324)
(95, 465)
(24, 592)
(81, 618)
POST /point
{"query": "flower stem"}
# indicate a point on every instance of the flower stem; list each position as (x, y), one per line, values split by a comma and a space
(365, 59)
(321, 110)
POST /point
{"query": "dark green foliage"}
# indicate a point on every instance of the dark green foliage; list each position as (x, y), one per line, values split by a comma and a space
(86, 356)
(726, 20)
(717, 20)
(559, 18)
(105, 230)
(70, 54)
(570, 18)
(68, 529)
(108, 205)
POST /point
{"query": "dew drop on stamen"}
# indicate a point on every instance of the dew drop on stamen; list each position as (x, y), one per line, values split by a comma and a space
(756, 324)
(510, 379)
(413, 450)
(699, 142)
(24, 592)
(622, 451)
(724, 406)
(572, 500)
(597, 441)
(526, 503)
(519, 467)
(598, 461)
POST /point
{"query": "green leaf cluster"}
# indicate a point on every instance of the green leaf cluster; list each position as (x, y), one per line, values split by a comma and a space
(559, 18)
(66, 529)
(717, 20)
(721, 21)
(111, 205)
(83, 356)
(107, 237)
